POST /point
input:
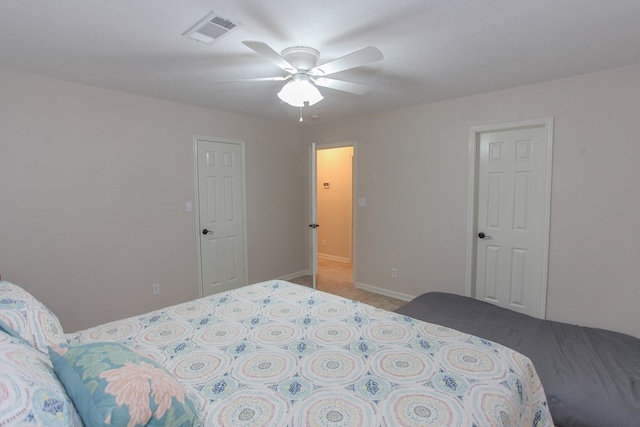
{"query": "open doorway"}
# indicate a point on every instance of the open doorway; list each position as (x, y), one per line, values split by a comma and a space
(334, 201)
(333, 226)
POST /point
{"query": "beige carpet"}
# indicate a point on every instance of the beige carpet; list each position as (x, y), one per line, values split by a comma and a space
(336, 277)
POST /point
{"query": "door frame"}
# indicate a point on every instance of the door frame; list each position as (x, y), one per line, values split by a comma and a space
(472, 201)
(354, 210)
(196, 204)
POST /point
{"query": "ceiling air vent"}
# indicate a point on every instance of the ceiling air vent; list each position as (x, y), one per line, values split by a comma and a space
(211, 28)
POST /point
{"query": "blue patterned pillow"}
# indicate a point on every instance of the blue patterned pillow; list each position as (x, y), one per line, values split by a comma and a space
(111, 384)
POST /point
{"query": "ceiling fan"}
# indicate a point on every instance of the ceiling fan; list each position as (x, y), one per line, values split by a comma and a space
(304, 75)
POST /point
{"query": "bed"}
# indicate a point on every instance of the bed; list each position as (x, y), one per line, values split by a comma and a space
(591, 376)
(267, 354)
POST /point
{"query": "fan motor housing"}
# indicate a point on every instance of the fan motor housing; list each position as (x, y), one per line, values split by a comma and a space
(301, 57)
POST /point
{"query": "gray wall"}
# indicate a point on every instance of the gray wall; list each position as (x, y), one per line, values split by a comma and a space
(93, 186)
(412, 167)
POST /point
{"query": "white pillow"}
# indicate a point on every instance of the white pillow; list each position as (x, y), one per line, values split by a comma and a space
(27, 316)
(30, 392)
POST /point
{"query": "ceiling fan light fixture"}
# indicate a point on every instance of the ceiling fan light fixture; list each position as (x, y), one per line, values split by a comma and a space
(300, 92)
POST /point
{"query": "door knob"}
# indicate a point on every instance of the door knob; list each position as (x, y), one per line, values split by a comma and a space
(205, 231)
(483, 236)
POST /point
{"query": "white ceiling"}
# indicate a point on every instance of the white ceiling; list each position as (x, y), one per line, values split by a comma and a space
(433, 49)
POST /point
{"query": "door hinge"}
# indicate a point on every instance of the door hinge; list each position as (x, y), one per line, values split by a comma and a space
(314, 225)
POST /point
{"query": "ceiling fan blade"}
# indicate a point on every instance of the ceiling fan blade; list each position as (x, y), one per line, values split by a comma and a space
(273, 56)
(356, 59)
(341, 85)
(259, 79)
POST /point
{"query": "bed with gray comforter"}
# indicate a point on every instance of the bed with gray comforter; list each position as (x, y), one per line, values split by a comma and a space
(591, 376)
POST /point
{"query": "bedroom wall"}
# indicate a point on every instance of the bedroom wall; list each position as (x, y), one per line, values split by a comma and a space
(93, 186)
(412, 169)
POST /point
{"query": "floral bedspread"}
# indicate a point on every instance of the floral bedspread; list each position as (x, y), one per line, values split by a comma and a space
(280, 354)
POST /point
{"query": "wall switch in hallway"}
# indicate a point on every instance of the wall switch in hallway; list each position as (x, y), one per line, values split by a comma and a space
(156, 289)
(394, 273)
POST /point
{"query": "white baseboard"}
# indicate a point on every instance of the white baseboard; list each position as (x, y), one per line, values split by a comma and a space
(383, 291)
(294, 275)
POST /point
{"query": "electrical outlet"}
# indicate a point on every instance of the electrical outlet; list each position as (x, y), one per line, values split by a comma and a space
(394, 273)
(156, 289)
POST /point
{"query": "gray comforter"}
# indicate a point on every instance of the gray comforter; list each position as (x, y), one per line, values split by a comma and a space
(591, 376)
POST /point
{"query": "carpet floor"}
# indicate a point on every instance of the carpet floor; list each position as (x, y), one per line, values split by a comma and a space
(336, 278)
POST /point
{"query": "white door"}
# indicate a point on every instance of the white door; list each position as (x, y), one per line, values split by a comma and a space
(512, 217)
(220, 181)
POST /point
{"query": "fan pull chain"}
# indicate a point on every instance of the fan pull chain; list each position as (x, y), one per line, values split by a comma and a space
(301, 119)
